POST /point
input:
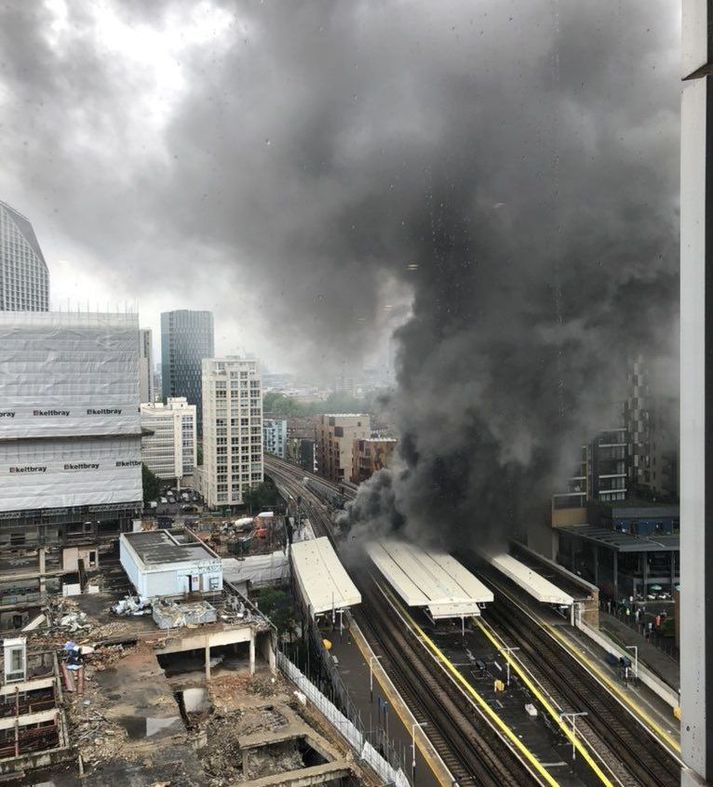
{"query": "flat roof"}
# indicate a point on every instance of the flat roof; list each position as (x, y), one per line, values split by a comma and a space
(536, 585)
(429, 578)
(321, 577)
(160, 546)
(624, 542)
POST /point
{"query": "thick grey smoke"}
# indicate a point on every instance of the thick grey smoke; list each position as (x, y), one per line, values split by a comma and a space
(511, 167)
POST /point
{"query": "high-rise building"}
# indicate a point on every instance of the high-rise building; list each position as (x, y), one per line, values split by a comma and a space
(609, 466)
(168, 441)
(24, 280)
(186, 339)
(157, 386)
(274, 432)
(652, 425)
(336, 434)
(70, 442)
(146, 374)
(232, 430)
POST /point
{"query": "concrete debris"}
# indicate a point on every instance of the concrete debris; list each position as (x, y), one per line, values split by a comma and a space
(35, 623)
(133, 605)
(74, 621)
(168, 615)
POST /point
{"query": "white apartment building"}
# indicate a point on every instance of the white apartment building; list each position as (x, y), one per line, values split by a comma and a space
(274, 434)
(146, 375)
(168, 441)
(232, 429)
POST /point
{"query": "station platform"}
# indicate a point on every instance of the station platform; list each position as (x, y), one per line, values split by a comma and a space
(654, 658)
(379, 709)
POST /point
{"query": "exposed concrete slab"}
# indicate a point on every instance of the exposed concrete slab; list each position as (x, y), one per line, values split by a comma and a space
(316, 774)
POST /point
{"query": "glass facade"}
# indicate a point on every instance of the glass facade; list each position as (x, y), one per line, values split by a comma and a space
(24, 280)
(186, 339)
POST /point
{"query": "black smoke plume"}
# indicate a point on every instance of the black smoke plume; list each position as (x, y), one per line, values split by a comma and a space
(509, 169)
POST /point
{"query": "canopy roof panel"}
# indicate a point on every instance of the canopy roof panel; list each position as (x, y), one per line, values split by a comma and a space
(429, 578)
(324, 582)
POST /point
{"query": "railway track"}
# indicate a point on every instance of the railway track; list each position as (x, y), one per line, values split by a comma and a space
(472, 751)
(643, 757)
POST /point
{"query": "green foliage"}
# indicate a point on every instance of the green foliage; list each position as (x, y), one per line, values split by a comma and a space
(279, 404)
(277, 605)
(262, 496)
(199, 456)
(150, 484)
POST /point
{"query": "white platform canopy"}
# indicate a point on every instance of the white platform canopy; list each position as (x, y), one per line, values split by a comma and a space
(429, 578)
(537, 586)
(321, 578)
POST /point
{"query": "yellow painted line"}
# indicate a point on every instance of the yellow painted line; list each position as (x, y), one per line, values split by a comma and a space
(614, 689)
(601, 676)
(546, 704)
(482, 704)
(423, 744)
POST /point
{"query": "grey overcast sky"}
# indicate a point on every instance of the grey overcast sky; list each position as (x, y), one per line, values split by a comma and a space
(269, 160)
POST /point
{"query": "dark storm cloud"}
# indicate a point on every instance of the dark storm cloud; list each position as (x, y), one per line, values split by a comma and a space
(513, 165)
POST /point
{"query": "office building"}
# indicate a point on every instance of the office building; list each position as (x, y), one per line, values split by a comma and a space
(232, 433)
(186, 339)
(24, 279)
(371, 454)
(70, 445)
(274, 433)
(336, 434)
(168, 441)
(146, 374)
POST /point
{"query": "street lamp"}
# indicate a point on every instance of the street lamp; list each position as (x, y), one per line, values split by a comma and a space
(507, 651)
(421, 724)
(371, 676)
(573, 716)
(635, 648)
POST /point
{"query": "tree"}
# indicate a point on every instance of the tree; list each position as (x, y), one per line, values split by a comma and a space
(199, 456)
(264, 495)
(277, 606)
(150, 483)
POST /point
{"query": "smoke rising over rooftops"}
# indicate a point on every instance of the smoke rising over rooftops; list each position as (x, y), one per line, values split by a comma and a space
(507, 168)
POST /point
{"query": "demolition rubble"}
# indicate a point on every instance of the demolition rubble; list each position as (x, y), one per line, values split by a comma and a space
(179, 691)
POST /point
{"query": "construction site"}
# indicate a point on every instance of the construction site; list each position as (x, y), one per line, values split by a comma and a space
(160, 672)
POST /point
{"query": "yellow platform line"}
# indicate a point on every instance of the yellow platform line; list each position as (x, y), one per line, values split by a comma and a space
(482, 704)
(603, 678)
(423, 744)
(546, 704)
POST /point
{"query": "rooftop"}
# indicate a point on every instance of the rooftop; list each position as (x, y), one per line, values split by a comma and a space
(160, 546)
(638, 507)
(623, 542)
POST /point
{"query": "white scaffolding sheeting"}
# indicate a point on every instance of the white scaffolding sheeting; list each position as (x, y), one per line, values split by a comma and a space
(259, 570)
(322, 579)
(429, 578)
(537, 586)
(65, 472)
(66, 374)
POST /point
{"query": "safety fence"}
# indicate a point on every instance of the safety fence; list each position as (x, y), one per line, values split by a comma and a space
(349, 731)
